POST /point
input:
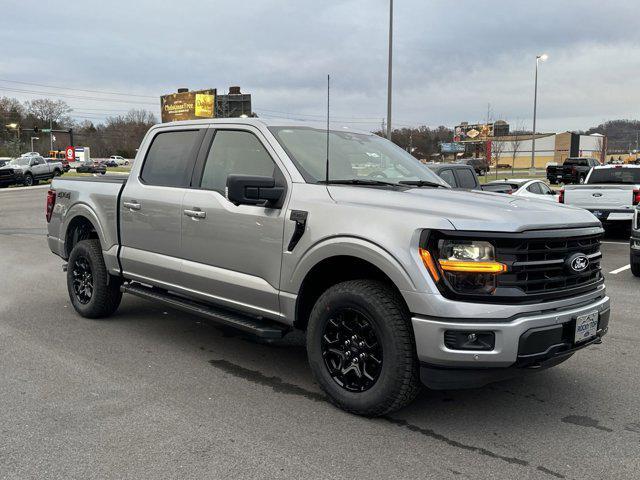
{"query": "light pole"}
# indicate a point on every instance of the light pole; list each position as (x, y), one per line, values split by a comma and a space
(390, 69)
(542, 57)
(32, 139)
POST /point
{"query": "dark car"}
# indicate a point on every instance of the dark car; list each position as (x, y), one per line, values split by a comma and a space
(480, 165)
(3, 162)
(110, 162)
(91, 167)
(456, 175)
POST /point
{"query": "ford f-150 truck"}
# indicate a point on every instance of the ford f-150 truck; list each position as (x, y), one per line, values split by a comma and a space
(573, 170)
(610, 192)
(29, 170)
(269, 226)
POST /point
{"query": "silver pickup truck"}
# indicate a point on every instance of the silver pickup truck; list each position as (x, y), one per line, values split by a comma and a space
(396, 278)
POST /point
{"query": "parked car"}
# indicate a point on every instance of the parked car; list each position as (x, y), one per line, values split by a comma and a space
(610, 192)
(63, 162)
(634, 255)
(120, 161)
(573, 170)
(30, 170)
(109, 162)
(91, 166)
(395, 281)
(456, 175)
(522, 187)
(4, 161)
(480, 165)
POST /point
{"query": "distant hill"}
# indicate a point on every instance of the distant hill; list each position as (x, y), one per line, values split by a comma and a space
(622, 135)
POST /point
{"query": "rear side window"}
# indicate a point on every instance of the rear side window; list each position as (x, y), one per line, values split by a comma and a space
(467, 179)
(534, 188)
(170, 157)
(447, 176)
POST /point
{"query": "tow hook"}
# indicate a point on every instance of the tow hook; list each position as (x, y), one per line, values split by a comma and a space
(65, 267)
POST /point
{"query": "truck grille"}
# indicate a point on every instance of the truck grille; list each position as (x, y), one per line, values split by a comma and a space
(540, 266)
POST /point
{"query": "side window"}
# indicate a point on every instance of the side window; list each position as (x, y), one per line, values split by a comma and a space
(169, 158)
(235, 152)
(534, 188)
(544, 189)
(447, 176)
(467, 180)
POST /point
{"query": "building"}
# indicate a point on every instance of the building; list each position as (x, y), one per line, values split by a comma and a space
(550, 147)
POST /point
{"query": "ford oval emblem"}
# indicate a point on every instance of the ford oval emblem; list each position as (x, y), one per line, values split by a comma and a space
(596, 194)
(578, 262)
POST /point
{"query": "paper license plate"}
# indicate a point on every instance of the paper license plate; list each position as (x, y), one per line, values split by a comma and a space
(586, 327)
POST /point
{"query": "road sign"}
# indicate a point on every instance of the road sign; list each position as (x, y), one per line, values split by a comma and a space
(45, 130)
(70, 154)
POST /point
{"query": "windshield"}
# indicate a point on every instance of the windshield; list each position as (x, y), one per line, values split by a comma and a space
(24, 161)
(352, 156)
(627, 176)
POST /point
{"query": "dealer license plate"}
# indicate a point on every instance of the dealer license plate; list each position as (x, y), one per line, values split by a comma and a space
(586, 327)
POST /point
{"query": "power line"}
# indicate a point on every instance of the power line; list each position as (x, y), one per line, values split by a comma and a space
(77, 89)
(65, 95)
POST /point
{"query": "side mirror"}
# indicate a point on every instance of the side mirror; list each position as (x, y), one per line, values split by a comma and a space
(253, 190)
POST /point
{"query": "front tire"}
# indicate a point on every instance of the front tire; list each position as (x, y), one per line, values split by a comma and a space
(28, 180)
(635, 265)
(92, 291)
(361, 348)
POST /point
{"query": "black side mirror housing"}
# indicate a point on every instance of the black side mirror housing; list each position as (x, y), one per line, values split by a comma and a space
(253, 190)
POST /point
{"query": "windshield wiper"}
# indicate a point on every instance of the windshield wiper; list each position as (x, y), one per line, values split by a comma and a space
(361, 181)
(421, 183)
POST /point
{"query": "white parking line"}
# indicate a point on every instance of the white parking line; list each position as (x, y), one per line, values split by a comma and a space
(621, 269)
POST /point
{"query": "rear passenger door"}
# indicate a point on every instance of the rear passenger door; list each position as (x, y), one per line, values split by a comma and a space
(151, 207)
(232, 253)
(466, 178)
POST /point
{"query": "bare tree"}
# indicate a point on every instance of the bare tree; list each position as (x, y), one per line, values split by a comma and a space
(601, 148)
(48, 110)
(497, 149)
(515, 142)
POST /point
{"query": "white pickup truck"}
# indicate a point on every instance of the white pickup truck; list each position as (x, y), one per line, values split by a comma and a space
(610, 192)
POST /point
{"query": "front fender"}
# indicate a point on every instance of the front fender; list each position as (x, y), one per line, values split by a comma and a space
(354, 247)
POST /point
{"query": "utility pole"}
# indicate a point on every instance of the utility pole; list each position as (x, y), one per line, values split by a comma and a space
(390, 73)
(50, 135)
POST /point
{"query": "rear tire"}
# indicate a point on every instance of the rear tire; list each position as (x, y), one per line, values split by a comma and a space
(392, 380)
(92, 291)
(635, 264)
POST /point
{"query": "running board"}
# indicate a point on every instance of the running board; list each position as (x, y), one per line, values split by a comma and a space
(254, 325)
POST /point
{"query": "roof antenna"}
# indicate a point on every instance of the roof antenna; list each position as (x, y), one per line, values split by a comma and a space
(328, 90)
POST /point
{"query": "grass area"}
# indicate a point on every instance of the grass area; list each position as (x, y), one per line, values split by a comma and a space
(119, 169)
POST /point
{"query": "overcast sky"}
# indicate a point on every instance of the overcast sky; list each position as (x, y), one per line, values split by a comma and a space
(451, 59)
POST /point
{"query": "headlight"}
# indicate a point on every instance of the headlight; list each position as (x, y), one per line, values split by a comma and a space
(465, 266)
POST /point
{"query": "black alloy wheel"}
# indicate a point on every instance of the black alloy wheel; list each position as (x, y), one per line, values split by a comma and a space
(351, 350)
(82, 280)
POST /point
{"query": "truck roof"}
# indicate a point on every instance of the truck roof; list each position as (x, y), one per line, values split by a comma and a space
(263, 122)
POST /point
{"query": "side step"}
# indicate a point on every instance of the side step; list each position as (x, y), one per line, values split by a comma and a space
(254, 325)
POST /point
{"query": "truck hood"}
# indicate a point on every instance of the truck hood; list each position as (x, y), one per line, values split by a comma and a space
(469, 210)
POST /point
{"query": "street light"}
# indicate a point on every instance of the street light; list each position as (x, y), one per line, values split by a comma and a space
(539, 58)
(32, 139)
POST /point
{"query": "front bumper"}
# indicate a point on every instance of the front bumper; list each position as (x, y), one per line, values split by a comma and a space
(511, 349)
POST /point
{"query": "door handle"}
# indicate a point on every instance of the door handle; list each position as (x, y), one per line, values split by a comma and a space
(195, 213)
(131, 205)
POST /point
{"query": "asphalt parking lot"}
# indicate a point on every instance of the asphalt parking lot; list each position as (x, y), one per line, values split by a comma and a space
(154, 393)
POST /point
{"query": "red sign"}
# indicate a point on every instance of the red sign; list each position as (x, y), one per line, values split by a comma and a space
(70, 154)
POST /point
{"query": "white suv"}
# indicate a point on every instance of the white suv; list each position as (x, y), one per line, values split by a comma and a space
(119, 160)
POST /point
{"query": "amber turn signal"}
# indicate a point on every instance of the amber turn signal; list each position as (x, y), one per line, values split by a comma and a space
(427, 259)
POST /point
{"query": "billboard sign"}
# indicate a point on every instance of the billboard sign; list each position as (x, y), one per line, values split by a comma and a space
(188, 105)
(467, 131)
(452, 147)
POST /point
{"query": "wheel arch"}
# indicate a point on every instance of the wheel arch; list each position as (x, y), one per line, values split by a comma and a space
(339, 260)
(80, 223)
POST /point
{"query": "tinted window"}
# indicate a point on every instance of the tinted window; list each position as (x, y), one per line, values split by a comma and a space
(623, 175)
(467, 179)
(169, 158)
(447, 176)
(235, 152)
(544, 189)
(534, 188)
